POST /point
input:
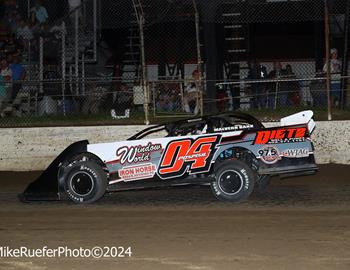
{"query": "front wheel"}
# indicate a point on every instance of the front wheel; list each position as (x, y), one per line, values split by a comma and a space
(85, 182)
(234, 181)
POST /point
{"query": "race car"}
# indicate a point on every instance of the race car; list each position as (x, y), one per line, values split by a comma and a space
(230, 152)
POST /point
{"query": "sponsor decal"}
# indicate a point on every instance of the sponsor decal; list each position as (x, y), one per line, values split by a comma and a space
(269, 154)
(236, 127)
(296, 153)
(136, 154)
(136, 172)
(188, 155)
(281, 135)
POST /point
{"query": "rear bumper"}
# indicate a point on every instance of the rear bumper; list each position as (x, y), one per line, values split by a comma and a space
(291, 171)
(289, 167)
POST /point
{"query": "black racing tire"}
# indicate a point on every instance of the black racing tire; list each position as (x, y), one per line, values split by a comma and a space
(85, 182)
(234, 181)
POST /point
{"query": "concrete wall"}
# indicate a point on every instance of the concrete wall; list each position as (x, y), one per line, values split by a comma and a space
(34, 148)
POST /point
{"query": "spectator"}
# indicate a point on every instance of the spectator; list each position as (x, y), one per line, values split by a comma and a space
(174, 92)
(122, 100)
(164, 102)
(221, 97)
(39, 13)
(335, 69)
(2, 93)
(192, 94)
(258, 89)
(234, 93)
(94, 98)
(5, 70)
(57, 30)
(6, 75)
(12, 20)
(290, 89)
(24, 32)
(318, 90)
(274, 87)
(18, 75)
(10, 46)
(74, 5)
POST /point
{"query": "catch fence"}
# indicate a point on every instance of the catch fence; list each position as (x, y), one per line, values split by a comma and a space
(147, 61)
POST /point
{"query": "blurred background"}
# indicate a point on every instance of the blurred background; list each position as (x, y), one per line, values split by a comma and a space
(91, 62)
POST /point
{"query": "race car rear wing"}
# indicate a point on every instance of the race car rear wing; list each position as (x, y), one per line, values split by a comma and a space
(304, 117)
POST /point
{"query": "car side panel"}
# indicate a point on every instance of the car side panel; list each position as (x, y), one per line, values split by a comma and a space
(186, 156)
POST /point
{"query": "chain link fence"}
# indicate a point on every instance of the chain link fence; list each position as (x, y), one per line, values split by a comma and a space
(136, 61)
(269, 58)
(171, 57)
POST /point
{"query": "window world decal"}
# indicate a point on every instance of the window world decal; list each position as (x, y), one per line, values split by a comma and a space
(135, 154)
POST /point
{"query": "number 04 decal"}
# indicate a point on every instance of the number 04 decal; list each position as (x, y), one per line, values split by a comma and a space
(188, 155)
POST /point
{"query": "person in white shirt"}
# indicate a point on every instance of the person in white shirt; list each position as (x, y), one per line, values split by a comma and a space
(6, 72)
(74, 5)
(191, 97)
(335, 69)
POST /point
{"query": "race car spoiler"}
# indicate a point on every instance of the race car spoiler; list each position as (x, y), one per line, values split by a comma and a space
(304, 117)
(46, 187)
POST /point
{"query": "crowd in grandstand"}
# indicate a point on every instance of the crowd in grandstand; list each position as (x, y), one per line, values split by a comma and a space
(19, 29)
(286, 90)
(15, 32)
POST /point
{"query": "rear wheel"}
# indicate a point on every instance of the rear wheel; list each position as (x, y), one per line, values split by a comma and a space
(234, 181)
(85, 182)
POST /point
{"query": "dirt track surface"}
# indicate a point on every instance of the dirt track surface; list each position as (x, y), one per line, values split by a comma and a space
(300, 223)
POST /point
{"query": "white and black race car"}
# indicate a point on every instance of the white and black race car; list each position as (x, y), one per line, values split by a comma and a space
(231, 152)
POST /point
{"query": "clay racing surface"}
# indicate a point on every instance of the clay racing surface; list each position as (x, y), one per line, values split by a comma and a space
(300, 223)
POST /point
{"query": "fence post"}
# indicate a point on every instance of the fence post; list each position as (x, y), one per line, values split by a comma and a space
(76, 50)
(83, 74)
(28, 9)
(29, 61)
(199, 58)
(344, 84)
(63, 33)
(95, 29)
(70, 79)
(144, 71)
(328, 79)
(41, 64)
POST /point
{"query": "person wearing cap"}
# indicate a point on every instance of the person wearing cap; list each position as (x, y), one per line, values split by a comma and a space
(335, 69)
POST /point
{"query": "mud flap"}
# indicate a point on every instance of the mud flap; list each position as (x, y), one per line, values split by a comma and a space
(46, 187)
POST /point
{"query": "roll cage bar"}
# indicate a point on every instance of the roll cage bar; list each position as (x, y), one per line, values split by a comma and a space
(192, 125)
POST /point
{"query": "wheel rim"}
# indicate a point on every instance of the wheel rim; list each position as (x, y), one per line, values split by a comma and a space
(230, 182)
(82, 183)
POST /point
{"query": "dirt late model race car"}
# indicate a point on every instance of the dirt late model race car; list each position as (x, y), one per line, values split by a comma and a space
(231, 152)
